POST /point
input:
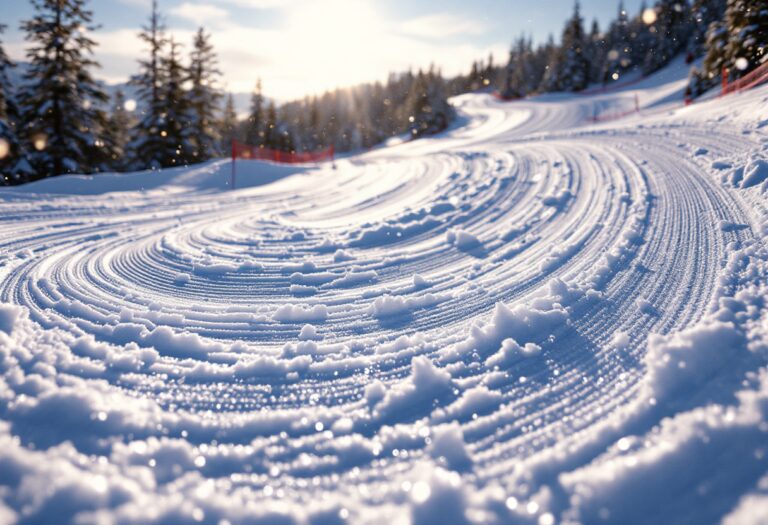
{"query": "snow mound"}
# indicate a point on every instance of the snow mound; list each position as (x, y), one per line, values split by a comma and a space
(755, 172)
(390, 306)
(289, 313)
(9, 317)
(688, 358)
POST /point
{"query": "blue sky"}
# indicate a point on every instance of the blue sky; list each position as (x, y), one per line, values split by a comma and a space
(302, 47)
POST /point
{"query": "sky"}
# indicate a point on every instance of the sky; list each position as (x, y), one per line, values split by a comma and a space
(304, 47)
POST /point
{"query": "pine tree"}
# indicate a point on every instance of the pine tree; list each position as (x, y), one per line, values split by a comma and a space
(508, 87)
(61, 100)
(270, 137)
(703, 14)
(284, 140)
(228, 125)
(596, 52)
(573, 74)
(747, 23)
(117, 134)
(671, 31)
(205, 98)
(619, 57)
(552, 57)
(641, 37)
(148, 147)
(698, 83)
(715, 59)
(489, 73)
(14, 167)
(177, 134)
(255, 126)
(429, 108)
(314, 124)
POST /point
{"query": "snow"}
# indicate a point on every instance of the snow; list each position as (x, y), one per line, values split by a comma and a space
(289, 313)
(529, 318)
(448, 447)
(462, 239)
(685, 359)
(308, 333)
(755, 172)
(9, 316)
(388, 306)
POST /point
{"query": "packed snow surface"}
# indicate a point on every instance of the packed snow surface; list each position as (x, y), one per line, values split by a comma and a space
(527, 319)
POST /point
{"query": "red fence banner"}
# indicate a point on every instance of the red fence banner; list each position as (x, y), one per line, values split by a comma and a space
(246, 151)
(752, 79)
(506, 98)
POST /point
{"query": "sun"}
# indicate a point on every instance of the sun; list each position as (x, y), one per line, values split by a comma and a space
(337, 40)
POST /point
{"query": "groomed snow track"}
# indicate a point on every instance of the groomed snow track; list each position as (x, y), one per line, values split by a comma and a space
(527, 319)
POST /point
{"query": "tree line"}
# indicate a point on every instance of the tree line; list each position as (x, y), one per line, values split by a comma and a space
(411, 104)
(60, 120)
(729, 35)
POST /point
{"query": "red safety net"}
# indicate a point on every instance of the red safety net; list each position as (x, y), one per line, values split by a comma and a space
(752, 79)
(505, 98)
(246, 151)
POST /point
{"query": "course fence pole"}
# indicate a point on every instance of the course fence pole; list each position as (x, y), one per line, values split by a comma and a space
(724, 78)
(234, 158)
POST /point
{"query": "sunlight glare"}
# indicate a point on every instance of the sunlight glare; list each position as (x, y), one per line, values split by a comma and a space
(336, 40)
(649, 16)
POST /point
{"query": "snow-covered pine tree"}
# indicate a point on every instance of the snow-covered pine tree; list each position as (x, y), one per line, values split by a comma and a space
(255, 126)
(671, 31)
(14, 167)
(228, 125)
(204, 98)
(698, 82)
(314, 139)
(61, 100)
(117, 134)
(619, 56)
(747, 23)
(552, 56)
(270, 137)
(489, 73)
(596, 52)
(641, 39)
(177, 134)
(475, 81)
(703, 14)
(429, 108)
(519, 74)
(442, 111)
(507, 89)
(540, 59)
(148, 147)
(573, 74)
(715, 59)
(418, 104)
(284, 136)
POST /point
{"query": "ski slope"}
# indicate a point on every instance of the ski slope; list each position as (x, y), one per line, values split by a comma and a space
(527, 319)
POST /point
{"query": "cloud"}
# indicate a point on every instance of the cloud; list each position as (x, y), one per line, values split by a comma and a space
(200, 14)
(262, 4)
(140, 3)
(441, 25)
(355, 43)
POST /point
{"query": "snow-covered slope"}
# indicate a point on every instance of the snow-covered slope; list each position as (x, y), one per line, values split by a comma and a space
(528, 319)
